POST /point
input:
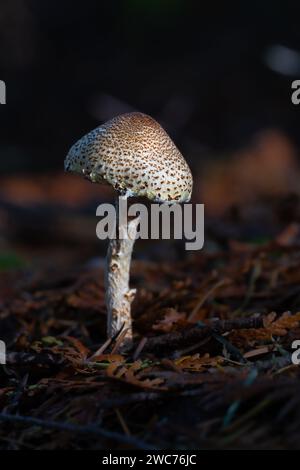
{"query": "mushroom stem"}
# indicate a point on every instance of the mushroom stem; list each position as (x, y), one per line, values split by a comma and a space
(118, 294)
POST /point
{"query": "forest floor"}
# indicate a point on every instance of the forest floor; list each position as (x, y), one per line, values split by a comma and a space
(211, 365)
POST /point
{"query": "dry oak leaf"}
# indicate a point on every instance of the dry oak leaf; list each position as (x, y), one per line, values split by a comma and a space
(108, 358)
(272, 327)
(134, 375)
(285, 322)
(171, 317)
(197, 363)
(81, 348)
(243, 339)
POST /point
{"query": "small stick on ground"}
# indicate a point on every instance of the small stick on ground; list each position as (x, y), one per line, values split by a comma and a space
(73, 428)
(189, 336)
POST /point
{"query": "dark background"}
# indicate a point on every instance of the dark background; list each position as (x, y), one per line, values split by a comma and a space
(217, 76)
(205, 70)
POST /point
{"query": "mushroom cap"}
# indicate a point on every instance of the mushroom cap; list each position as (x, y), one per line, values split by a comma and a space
(134, 154)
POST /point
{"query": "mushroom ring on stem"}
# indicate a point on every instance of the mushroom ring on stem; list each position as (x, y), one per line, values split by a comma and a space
(134, 154)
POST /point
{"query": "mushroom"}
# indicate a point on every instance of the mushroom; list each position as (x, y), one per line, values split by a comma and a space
(134, 154)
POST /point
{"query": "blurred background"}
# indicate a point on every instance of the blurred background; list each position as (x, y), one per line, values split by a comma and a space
(218, 79)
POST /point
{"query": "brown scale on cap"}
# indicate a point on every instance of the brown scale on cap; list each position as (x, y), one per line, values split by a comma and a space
(134, 154)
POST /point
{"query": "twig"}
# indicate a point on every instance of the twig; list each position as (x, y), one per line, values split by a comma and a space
(120, 344)
(203, 298)
(122, 422)
(139, 348)
(189, 349)
(189, 336)
(92, 429)
(101, 349)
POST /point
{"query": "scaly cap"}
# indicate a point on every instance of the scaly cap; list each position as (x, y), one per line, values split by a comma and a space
(134, 154)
